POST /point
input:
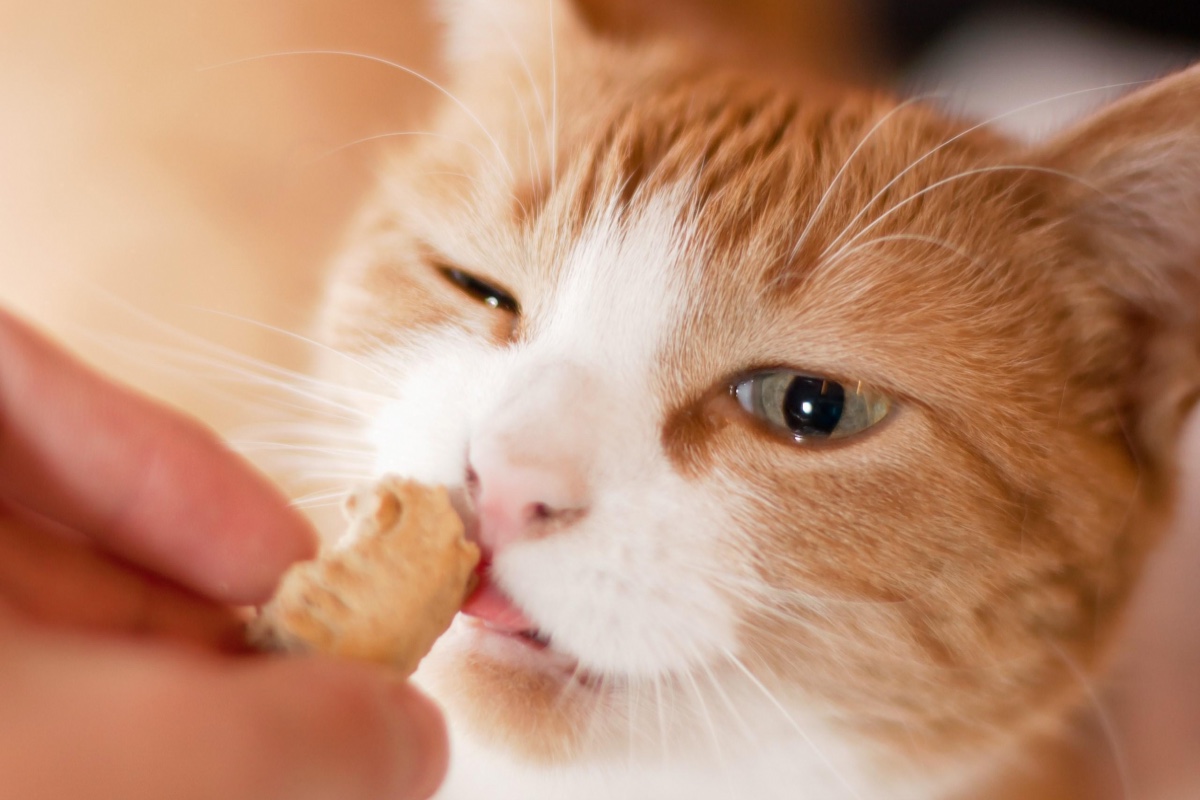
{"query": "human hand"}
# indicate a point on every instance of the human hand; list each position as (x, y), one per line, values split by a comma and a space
(127, 536)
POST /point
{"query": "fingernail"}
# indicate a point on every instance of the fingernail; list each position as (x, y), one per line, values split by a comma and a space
(420, 732)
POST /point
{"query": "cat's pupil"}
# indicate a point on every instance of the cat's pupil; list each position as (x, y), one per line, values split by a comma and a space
(813, 406)
(484, 292)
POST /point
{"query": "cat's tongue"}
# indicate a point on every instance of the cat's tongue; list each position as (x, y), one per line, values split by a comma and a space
(494, 608)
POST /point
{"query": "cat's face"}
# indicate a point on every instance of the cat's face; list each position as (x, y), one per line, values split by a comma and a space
(779, 410)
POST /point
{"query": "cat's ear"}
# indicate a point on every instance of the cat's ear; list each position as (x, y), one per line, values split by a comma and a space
(1132, 204)
(528, 33)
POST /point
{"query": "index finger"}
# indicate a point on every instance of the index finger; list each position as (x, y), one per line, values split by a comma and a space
(143, 480)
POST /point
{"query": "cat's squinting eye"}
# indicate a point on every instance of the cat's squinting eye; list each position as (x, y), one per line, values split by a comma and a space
(807, 407)
(480, 290)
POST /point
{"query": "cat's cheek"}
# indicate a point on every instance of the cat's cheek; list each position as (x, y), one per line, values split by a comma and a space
(626, 595)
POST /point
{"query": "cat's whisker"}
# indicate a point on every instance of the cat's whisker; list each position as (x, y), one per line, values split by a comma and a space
(287, 394)
(570, 687)
(302, 448)
(850, 294)
(305, 438)
(531, 147)
(1104, 718)
(835, 182)
(553, 98)
(306, 430)
(709, 723)
(307, 505)
(825, 259)
(916, 237)
(774, 701)
(631, 689)
(388, 63)
(836, 644)
(320, 497)
(217, 356)
(532, 155)
(837, 641)
(347, 476)
(449, 174)
(368, 368)
(714, 735)
(315, 467)
(533, 86)
(978, 126)
(390, 135)
(199, 344)
(473, 180)
(750, 586)
(661, 711)
(746, 730)
(223, 359)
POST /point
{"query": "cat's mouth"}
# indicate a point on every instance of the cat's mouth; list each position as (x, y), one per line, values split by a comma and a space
(490, 608)
(492, 615)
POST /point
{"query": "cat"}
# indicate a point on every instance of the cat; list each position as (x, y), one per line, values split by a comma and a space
(815, 439)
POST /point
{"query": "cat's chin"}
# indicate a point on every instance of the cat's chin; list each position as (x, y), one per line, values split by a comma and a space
(522, 651)
(517, 693)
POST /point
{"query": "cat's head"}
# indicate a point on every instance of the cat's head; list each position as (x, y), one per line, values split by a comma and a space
(779, 405)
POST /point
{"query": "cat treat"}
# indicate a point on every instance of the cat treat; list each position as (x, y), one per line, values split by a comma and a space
(389, 593)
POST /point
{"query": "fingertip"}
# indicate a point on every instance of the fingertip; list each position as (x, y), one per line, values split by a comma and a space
(349, 731)
(422, 741)
(266, 538)
(141, 479)
(230, 530)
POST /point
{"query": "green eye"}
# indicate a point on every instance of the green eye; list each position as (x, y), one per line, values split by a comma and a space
(483, 292)
(808, 407)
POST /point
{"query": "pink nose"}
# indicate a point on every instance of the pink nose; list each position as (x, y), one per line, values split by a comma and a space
(515, 504)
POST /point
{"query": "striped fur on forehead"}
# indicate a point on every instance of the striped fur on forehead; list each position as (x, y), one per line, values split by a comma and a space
(791, 170)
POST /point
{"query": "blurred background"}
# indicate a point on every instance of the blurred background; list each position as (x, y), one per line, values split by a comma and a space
(175, 175)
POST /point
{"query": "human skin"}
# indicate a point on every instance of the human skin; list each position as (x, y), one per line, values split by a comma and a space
(129, 538)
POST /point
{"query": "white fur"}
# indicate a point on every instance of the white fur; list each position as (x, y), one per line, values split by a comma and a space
(634, 590)
(618, 591)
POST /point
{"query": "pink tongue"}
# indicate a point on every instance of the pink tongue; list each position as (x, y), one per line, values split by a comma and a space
(492, 606)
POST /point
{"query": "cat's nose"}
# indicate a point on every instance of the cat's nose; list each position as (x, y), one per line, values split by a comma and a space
(517, 503)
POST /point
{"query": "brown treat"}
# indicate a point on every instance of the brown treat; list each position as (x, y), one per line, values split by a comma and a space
(389, 593)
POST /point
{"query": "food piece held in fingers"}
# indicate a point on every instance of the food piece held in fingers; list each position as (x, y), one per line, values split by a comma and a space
(388, 593)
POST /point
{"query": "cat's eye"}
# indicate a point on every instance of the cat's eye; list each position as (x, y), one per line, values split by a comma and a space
(480, 290)
(807, 407)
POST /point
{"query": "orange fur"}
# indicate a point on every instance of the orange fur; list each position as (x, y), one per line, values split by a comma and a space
(950, 570)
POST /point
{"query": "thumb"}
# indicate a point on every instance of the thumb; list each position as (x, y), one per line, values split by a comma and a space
(95, 719)
(325, 729)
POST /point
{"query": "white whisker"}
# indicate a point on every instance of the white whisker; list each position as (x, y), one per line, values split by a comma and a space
(1104, 719)
(392, 135)
(661, 710)
(386, 62)
(833, 184)
(837, 774)
(319, 497)
(916, 237)
(731, 707)
(985, 123)
(183, 363)
(358, 362)
(943, 182)
(537, 95)
(553, 99)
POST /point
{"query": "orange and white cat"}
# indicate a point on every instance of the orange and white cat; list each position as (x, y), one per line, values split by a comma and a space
(814, 439)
